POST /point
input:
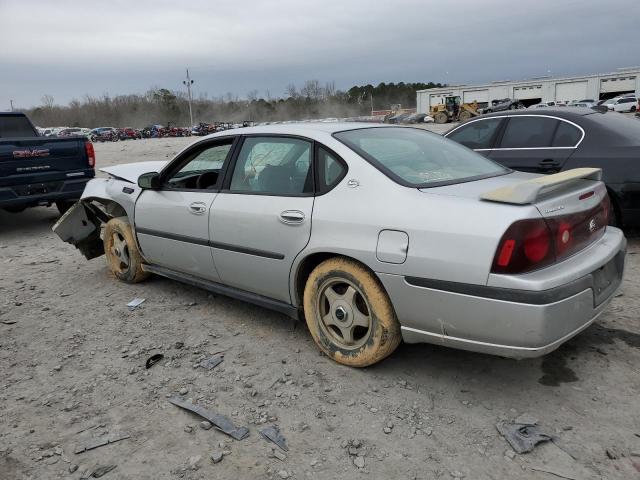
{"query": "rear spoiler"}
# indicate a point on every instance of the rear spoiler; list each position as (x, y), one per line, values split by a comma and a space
(529, 191)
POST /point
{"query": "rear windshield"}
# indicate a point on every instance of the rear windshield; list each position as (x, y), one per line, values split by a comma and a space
(625, 130)
(15, 126)
(417, 158)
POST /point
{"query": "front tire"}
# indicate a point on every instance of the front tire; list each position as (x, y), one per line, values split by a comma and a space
(121, 250)
(64, 205)
(349, 314)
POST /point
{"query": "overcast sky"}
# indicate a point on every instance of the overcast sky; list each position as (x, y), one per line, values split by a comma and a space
(68, 49)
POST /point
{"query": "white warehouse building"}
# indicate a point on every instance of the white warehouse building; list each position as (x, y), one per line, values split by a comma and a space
(540, 89)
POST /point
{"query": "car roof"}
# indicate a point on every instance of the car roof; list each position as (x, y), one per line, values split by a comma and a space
(300, 128)
(563, 112)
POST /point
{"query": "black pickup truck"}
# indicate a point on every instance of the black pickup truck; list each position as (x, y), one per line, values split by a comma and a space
(37, 170)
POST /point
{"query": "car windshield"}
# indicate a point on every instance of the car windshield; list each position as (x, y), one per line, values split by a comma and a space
(416, 158)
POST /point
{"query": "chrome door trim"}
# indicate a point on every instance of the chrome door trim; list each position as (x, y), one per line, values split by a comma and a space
(524, 148)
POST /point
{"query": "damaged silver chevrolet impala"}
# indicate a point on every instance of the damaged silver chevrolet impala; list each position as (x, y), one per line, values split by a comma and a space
(373, 234)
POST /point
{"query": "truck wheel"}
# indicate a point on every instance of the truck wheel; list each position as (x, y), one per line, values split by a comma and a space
(64, 205)
(464, 116)
(441, 117)
(121, 250)
(349, 314)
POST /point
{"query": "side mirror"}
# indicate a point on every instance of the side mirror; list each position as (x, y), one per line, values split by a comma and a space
(149, 181)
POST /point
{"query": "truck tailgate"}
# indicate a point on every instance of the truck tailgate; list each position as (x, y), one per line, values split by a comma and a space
(45, 158)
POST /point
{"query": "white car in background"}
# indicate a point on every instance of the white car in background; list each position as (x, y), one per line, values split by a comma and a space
(622, 104)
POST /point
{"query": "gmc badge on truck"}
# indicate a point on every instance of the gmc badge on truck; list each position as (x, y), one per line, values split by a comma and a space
(30, 153)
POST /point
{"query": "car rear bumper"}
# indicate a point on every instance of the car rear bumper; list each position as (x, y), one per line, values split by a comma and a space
(35, 194)
(509, 322)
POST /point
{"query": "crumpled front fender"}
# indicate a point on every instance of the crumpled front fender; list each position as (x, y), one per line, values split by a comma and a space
(80, 226)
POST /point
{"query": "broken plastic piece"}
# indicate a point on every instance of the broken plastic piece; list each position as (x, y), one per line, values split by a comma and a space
(212, 362)
(273, 434)
(522, 437)
(102, 470)
(100, 443)
(221, 422)
(135, 303)
(153, 359)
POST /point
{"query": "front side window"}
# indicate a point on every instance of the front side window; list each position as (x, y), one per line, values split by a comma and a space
(202, 168)
(417, 158)
(529, 132)
(478, 134)
(273, 165)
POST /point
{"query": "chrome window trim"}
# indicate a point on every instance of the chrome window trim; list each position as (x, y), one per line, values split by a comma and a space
(524, 148)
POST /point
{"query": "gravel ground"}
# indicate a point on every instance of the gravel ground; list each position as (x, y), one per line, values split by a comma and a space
(72, 371)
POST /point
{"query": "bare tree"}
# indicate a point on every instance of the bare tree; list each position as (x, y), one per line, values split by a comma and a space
(47, 101)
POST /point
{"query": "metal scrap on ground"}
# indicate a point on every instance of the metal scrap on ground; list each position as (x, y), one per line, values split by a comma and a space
(101, 443)
(135, 303)
(212, 362)
(522, 437)
(273, 434)
(101, 471)
(221, 422)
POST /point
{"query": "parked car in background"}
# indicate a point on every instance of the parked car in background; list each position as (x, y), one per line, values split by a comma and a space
(129, 133)
(502, 104)
(104, 134)
(37, 170)
(589, 101)
(418, 118)
(74, 131)
(622, 104)
(399, 118)
(448, 247)
(543, 105)
(557, 140)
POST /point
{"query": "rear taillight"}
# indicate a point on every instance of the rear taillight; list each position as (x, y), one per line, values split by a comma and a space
(535, 243)
(91, 154)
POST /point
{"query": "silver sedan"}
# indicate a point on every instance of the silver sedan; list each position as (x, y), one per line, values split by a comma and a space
(373, 234)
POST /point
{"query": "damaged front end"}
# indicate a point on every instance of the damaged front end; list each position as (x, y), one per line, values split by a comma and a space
(81, 226)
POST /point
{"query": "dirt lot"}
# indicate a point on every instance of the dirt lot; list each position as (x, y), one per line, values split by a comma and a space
(72, 371)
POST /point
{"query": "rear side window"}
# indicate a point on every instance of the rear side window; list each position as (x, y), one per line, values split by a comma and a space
(566, 135)
(15, 126)
(478, 134)
(331, 170)
(529, 132)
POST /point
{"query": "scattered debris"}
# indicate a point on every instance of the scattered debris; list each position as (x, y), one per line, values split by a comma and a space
(278, 454)
(212, 362)
(101, 443)
(273, 434)
(153, 359)
(551, 472)
(522, 437)
(612, 453)
(217, 456)
(135, 303)
(205, 425)
(359, 462)
(102, 470)
(9, 322)
(221, 422)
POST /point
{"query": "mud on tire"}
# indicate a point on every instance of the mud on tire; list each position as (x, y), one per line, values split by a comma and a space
(340, 297)
(121, 251)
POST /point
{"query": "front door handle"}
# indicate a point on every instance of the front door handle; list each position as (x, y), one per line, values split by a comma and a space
(197, 208)
(292, 217)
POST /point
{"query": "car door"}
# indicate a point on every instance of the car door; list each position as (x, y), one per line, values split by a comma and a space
(536, 143)
(172, 222)
(479, 135)
(262, 218)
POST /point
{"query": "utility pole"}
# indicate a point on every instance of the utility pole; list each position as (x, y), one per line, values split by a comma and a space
(188, 82)
(11, 102)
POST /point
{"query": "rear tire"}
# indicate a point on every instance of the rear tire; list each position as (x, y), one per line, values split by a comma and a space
(121, 250)
(349, 314)
(464, 116)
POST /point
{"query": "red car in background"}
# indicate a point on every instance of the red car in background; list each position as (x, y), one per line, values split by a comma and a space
(129, 133)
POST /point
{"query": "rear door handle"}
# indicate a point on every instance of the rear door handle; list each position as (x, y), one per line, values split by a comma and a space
(197, 208)
(292, 217)
(549, 162)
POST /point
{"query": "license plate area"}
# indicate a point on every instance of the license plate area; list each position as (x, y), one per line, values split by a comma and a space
(605, 280)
